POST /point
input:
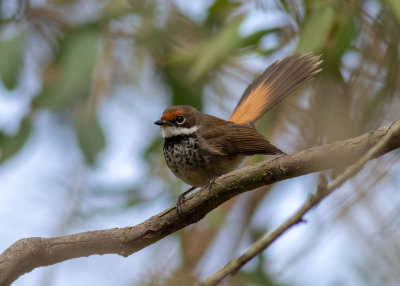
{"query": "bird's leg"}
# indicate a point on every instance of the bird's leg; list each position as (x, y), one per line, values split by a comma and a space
(210, 183)
(181, 198)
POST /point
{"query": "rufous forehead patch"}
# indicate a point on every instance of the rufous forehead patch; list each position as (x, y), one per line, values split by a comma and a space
(170, 115)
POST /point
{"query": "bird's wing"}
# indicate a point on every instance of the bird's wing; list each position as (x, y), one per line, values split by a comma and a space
(226, 138)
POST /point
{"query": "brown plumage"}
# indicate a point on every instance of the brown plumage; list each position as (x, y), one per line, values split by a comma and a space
(228, 138)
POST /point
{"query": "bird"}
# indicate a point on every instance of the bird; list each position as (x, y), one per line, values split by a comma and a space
(199, 147)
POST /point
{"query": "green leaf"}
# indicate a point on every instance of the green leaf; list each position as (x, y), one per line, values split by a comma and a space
(183, 91)
(11, 53)
(70, 76)
(10, 145)
(219, 11)
(346, 32)
(316, 29)
(90, 135)
(216, 49)
(255, 38)
(395, 4)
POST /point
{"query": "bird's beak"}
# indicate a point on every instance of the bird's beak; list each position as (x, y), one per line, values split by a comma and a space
(160, 122)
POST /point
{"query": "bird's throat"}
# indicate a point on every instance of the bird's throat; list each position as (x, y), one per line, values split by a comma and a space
(171, 131)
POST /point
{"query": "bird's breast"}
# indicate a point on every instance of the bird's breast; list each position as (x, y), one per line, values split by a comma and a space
(194, 164)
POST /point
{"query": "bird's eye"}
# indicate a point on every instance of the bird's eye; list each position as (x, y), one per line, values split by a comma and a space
(180, 119)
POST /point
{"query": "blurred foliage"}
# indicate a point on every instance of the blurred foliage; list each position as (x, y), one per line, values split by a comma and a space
(11, 144)
(79, 64)
(67, 78)
(11, 52)
(90, 136)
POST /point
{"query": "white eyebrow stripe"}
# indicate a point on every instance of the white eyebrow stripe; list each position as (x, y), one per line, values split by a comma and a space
(170, 131)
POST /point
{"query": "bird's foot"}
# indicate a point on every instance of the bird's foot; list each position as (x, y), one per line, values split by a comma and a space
(210, 183)
(181, 199)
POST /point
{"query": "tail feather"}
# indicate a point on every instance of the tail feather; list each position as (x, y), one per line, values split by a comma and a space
(274, 84)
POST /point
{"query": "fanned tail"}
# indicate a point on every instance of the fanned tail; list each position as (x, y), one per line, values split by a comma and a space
(274, 84)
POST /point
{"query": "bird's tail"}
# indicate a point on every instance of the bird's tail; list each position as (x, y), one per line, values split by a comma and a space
(274, 84)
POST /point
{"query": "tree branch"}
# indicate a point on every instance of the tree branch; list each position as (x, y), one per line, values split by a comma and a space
(321, 193)
(29, 253)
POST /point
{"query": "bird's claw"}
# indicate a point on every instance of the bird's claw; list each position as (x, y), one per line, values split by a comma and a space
(181, 199)
(210, 183)
(179, 203)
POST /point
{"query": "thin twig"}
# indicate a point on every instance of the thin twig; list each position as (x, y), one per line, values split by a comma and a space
(322, 192)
